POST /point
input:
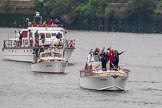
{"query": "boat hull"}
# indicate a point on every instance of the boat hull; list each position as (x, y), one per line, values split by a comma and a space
(49, 67)
(18, 54)
(103, 82)
(25, 54)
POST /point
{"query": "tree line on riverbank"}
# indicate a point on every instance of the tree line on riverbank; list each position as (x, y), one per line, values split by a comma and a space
(105, 15)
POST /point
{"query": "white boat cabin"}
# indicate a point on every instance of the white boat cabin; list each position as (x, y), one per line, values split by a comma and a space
(51, 56)
(48, 34)
(40, 35)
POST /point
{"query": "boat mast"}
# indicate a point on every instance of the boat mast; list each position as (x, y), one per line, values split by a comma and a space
(37, 18)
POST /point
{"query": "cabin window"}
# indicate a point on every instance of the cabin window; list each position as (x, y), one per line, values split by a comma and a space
(42, 35)
(9, 43)
(53, 34)
(39, 34)
(48, 35)
(57, 55)
(24, 34)
(46, 55)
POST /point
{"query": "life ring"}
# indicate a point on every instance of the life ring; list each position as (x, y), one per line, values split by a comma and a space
(114, 28)
(155, 29)
(101, 27)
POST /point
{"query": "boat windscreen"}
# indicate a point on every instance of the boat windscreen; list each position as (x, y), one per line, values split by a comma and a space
(46, 55)
(57, 55)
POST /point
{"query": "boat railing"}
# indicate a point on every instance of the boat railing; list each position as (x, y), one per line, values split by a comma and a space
(85, 73)
(100, 73)
(15, 44)
(110, 73)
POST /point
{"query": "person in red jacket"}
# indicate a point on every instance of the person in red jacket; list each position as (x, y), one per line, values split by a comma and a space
(50, 22)
(111, 56)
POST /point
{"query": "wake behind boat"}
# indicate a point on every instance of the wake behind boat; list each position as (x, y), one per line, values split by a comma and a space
(95, 77)
(50, 62)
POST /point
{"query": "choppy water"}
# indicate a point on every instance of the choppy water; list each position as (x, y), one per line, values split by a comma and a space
(21, 88)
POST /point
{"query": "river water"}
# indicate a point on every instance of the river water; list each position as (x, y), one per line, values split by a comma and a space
(21, 88)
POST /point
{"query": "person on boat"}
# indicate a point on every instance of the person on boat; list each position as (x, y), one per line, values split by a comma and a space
(59, 35)
(55, 49)
(37, 42)
(31, 42)
(33, 24)
(67, 43)
(116, 58)
(56, 21)
(72, 43)
(43, 38)
(44, 24)
(50, 48)
(90, 57)
(30, 34)
(36, 39)
(20, 38)
(111, 56)
(41, 49)
(30, 24)
(38, 24)
(50, 22)
(55, 41)
(108, 61)
(30, 38)
(36, 54)
(36, 34)
(36, 51)
(103, 57)
(97, 55)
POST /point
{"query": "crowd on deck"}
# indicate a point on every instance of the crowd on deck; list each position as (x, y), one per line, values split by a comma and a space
(108, 57)
(50, 23)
